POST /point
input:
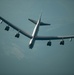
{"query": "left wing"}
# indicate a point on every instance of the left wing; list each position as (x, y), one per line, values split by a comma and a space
(53, 37)
(15, 27)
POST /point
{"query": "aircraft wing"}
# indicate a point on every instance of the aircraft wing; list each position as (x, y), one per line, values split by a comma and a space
(16, 28)
(53, 37)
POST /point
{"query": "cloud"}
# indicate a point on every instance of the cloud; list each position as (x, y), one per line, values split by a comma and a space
(13, 50)
(17, 51)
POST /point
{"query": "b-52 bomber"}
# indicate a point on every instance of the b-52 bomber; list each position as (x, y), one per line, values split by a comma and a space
(34, 35)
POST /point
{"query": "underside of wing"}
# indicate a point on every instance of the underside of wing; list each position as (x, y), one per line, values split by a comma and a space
(15, 27)
(53, 37)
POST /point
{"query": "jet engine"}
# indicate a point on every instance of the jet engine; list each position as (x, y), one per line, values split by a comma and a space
(62, 42)
(70, 39)
(7, 28)
(17, 35)
(49, 43)
(1, 21)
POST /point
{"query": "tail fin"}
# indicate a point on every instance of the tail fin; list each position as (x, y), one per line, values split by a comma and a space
(42, 23)
(34, 21)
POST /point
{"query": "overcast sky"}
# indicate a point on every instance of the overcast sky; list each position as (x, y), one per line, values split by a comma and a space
(15, 56)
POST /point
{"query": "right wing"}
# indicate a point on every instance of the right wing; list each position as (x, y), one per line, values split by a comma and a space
(53, 37)
(15, 27)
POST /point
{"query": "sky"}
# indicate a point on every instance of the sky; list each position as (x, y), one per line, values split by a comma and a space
(15, 56)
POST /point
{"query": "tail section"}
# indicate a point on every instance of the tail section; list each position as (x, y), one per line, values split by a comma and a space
(33, 21)
(41, 23)
(44, 24)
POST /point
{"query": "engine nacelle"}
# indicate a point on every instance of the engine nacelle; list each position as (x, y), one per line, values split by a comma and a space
(17, 35)
(70, 39)
(49, 43)
(62, 42)
(1, 21)
(7, 28)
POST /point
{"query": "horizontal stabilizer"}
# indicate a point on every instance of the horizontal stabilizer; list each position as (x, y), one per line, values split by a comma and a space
(33, 21)
(43, 24)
